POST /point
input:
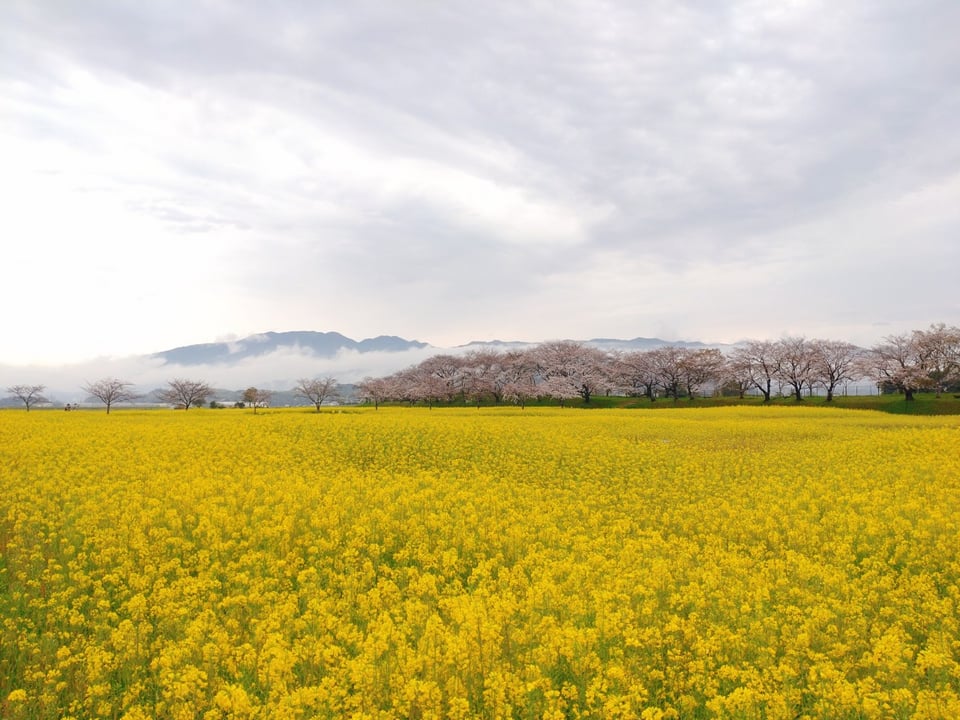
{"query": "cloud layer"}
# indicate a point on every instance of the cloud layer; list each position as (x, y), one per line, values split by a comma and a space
(278, 370)
(458, 171)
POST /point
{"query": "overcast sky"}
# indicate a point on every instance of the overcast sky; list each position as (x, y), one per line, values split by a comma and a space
(179, 172)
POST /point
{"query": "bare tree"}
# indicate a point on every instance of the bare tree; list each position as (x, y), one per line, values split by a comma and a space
(29, 395)
(834, 362)
(111, 391)
(256, 398)
(185, 393)
(316, 390)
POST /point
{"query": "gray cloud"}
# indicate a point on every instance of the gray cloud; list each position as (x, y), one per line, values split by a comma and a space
(445, 170)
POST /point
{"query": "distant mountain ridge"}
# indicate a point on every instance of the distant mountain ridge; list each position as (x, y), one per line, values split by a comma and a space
(329, 344)
(637, 343)
(642, 343)
(274, 360)
(321, 344)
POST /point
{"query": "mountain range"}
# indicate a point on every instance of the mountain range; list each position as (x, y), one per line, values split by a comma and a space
(321, 344)
(270, 360)
(329, 344)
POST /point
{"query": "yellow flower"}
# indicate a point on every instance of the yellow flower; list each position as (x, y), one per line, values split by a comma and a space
(743, 562)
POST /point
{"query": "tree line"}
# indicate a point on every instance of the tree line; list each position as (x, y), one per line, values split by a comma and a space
(181, 393)
(921, 360)
(907, 363)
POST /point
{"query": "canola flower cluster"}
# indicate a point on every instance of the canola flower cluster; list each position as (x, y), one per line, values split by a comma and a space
(406, 563)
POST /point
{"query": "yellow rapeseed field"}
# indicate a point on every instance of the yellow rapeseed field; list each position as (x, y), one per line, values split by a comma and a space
(406, 563)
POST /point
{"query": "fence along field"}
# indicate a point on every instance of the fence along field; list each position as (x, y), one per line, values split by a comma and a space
(732, 562)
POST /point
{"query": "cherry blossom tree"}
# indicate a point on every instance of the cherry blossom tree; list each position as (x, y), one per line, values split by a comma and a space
(795, 359)
(479, 376)
(404, 385)
(567, 363)
(516, 378)
(375, 390)
(667, 366)
(637, 374)
(736, 376)
(940, 347)
(700, 367)
(834, 362)
(558, 387)
(900, 361)
(758, 360)
(438, 379)
(566, 369)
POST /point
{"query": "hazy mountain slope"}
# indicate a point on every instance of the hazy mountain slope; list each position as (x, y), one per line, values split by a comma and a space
(321, 344)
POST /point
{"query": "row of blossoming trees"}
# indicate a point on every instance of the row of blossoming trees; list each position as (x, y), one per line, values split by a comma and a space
(909, 363)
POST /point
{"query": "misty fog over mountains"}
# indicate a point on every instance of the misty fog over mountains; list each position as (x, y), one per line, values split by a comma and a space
(271, 360)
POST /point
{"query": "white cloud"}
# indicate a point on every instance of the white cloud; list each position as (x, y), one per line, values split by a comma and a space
(172, 174)
(275, 371)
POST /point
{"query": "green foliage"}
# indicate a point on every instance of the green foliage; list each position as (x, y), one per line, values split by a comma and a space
(923, 403)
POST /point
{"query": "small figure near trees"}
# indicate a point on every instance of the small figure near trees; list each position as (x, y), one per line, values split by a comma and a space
(183, 393)
(110, 391)
(29, 395)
